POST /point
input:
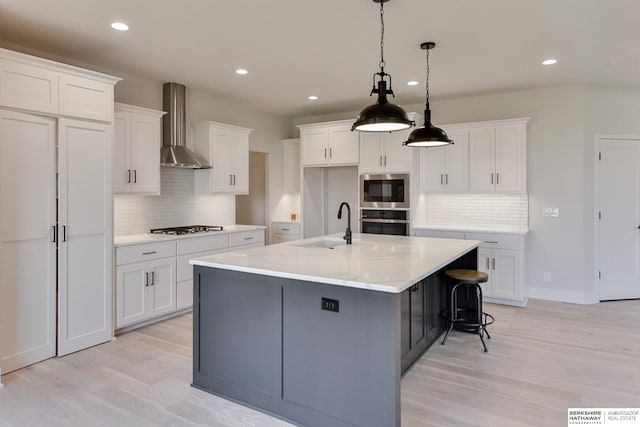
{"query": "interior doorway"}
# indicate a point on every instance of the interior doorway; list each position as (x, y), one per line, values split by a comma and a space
(252, 208)
(618, 217)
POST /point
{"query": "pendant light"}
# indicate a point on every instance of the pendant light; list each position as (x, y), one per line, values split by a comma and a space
(382, 116)
(428, 135)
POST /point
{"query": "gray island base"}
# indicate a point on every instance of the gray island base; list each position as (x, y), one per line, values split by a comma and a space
(313, 353)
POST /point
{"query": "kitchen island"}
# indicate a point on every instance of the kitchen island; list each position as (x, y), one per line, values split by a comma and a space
(319, 332)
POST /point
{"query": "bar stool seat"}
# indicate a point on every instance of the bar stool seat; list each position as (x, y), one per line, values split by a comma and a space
(465, 317)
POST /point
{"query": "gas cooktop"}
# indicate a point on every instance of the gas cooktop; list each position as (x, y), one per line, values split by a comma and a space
(188, 229)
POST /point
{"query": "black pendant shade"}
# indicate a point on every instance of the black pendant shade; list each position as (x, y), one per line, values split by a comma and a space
(382, 116)
(428, 135)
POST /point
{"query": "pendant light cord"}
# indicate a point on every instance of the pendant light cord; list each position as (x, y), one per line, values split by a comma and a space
(427, 81)
(382, 63)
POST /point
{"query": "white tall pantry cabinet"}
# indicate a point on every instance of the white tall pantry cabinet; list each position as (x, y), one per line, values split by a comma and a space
(56, 191)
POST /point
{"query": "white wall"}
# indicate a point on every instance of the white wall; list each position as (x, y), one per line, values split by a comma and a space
(560, 165)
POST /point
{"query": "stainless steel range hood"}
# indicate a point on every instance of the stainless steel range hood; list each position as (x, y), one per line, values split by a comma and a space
(174, 152)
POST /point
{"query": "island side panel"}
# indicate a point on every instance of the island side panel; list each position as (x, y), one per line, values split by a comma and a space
(237, 325)
(346, 364)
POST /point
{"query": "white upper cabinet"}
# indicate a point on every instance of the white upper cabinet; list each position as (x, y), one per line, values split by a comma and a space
(291, 165)
(497, 157)
(445, 169)
(137, 141)
(329, 144)
(383, 152)
(39, 85)
(226, 149)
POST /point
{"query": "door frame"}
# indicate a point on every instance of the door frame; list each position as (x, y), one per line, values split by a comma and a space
(599, 140)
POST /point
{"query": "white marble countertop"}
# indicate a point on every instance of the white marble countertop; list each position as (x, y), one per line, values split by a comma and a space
(134, 239)
(377, 262)
(470, 229)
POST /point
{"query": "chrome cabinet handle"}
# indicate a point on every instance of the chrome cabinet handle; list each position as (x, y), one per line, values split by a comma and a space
(380, 163)
(498, 178)
(487, 263)
(285, 229)
(441, 179)
(331, 152)
(491, 241)
(325, 153)
(135, 176)
(494, 264)
(149, 253)
(64, 233)
(153, 279)
(492, 177)
(248, 238)
(128, 176)
(146, 279)
(53, 228)
(385, 160)
(446, 178)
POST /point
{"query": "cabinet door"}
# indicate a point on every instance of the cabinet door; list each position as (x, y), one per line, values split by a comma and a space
(314, 145)
(240, 165)
(371, 157)
(510, 157)
(396, 157)
(418, 317)
(435, 300)
(85, 98)
(505, 274)
(484, 265)
(86, 238)
(221, 162)
(405, 329)
(28, 88)
(27, 252)
(482, 159)
(456, 163)
(121, 152)
(131, 289)
(145, 154)
(162, 287)
(344, 146)
(432, 170)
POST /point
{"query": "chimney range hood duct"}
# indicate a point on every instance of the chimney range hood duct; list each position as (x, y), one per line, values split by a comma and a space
(174, 152)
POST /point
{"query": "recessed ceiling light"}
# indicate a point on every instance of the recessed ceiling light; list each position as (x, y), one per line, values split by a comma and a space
(120, 26)
(313, 97)
(549, 61)
(241, 71)
(412, 83)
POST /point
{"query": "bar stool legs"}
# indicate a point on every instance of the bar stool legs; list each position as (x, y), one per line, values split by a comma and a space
(467, 319)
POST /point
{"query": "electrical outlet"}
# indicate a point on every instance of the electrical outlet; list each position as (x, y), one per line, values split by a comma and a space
(553, 212)
(547, 276)
(330, 304)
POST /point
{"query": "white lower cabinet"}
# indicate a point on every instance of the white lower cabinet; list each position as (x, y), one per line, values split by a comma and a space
(501, 257)
(145, 289)
(285, 231)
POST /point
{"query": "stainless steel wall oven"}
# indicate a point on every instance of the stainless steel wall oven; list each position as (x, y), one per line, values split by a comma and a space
(385, 221)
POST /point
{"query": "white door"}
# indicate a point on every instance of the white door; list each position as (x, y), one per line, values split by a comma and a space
(314, 147)
(510, 158)
(344, 146)
(27, 249)
(619, 224)
(86, 241)
(482, 160)
(371, 152)
(432, 169)
(396, 157)
(131, 290)
(145, 153)
(505, 274)
(456, 162)
(162, 287)
(239, 150)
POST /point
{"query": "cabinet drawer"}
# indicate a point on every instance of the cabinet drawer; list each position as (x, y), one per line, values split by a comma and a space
(286, 228)
(441, 234)
(145, 252)
(28, 88)
(245, 238)
(497, 241)
(86, 98)
(202, 244)
(185, 270)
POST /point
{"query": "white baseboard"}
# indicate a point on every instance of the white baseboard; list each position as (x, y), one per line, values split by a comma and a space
(563, 296)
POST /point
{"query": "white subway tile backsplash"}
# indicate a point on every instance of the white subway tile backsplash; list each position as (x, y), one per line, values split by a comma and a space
(506, 212)
(177, 205)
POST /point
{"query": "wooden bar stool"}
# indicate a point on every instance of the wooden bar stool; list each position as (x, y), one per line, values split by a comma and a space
(467, 316)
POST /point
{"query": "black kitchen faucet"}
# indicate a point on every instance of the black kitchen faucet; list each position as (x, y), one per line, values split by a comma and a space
(347, 234)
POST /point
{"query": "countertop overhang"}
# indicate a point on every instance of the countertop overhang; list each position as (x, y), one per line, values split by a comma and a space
(376, 262)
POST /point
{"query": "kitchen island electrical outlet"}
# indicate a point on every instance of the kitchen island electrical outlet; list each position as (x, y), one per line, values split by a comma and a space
(331, 304)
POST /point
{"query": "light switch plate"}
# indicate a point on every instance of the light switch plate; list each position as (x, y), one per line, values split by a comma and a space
(553, 212)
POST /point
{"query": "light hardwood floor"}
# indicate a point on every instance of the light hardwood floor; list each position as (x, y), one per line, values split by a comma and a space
(542, 360)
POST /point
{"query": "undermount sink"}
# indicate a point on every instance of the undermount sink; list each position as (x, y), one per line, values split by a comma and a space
(326, 242)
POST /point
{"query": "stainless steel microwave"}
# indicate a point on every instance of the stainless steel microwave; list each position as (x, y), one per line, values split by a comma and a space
(384, 191)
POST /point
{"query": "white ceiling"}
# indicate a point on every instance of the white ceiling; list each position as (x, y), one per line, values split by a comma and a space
(330, 48)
